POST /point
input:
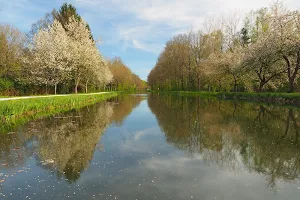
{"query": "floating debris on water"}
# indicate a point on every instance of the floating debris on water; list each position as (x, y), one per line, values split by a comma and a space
(47, 162)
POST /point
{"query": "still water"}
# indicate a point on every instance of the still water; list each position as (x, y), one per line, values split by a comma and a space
(148, 147)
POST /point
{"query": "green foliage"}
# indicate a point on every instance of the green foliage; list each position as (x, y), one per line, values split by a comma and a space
(123, 77)
(5, 85)
(245, 38)
(265, 97)
(64, 14)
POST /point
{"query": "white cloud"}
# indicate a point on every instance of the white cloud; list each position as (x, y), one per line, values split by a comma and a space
(138, 45)
(138, 143)
(151, 22)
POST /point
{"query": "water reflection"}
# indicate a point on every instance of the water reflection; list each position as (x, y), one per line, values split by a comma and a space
(123, 106)
(260, 138)
(65, 143)
(165, 147)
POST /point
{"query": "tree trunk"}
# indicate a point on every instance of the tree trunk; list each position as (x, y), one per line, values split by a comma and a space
(261, 86)
(291, 85)
(55, 88)
(294, 75)
(76, 90)
(182, 84)
(86, 87)
(235, 84)
(76, 86)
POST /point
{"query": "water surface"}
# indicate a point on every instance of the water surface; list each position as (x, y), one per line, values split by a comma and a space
(155, 147)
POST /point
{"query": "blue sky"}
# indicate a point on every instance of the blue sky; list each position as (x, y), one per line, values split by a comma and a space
(135, 30)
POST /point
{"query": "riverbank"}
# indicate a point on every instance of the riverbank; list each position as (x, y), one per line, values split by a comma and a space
(19, 110)
(274, 98)
(8, 98)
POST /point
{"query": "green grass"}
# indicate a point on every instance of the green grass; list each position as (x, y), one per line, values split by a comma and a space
(280, 98)
(17, 112)
(267, 97)
(201, 93)
(188, 93)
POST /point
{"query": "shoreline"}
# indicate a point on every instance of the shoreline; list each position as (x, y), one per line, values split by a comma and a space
(267, 97)
(21, 110)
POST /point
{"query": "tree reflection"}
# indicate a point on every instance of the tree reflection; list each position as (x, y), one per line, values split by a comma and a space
(237, 136)
(63, 144)
(123, 106)
(70, 142)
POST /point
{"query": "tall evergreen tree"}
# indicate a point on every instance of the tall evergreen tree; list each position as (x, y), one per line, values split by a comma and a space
(64, 14)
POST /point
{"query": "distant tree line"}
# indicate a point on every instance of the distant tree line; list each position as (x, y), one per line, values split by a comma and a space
(58, 54)
(262, 54)
(123, 78)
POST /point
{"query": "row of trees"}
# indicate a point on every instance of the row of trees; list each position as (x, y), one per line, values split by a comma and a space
(59, 52)
(123, 78)
(262, 56)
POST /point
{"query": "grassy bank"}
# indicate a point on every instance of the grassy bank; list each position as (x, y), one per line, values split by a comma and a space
(17, 112)
(187, 93)
(275, 98)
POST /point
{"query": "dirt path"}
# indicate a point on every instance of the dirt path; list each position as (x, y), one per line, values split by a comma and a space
(47, 96)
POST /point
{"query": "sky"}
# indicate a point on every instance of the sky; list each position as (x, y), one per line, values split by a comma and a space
(135, 30)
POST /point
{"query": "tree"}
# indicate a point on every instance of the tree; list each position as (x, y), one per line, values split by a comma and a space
(42, 24)
(122, 77)
(59, 49)
(227, 66)
(285, 27)
(261, 60)
(52, 55)
(85, 59)
(3, 54)
(220, 57)
(256, 23)
(98, 74)
(11, 49)
(65, 13)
